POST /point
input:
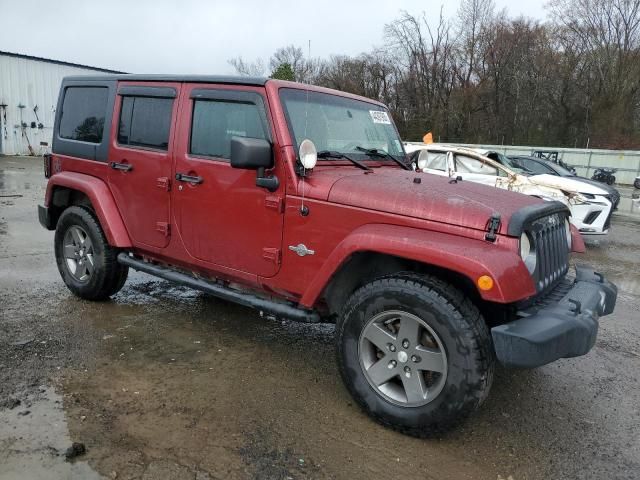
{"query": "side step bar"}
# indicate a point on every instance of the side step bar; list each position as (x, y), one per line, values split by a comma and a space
(265, 306)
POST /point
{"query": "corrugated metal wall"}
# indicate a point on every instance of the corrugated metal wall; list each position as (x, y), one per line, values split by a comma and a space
(30, 83)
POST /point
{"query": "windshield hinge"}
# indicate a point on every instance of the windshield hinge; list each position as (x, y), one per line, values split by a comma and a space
(493, 225)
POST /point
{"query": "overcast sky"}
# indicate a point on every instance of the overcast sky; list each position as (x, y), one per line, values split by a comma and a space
(189, 36)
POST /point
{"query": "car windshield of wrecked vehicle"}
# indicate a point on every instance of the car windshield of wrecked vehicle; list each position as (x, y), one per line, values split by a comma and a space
(340, 124)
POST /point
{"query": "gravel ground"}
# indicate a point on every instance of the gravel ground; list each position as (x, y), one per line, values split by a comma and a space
(165, 382)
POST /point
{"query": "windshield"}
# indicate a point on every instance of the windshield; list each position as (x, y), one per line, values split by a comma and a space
(507, 162)
(339, 124)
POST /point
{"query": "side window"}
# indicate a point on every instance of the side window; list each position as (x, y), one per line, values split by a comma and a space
(466, 164)
(537, 167)
(83, 114)
(216, 121)
(432, 160)
(145, 122)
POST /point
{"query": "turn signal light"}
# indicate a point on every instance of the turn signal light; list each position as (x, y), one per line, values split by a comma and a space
(485, 282)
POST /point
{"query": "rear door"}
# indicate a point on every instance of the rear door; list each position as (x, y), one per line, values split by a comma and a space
(140, 159)
(222, 216)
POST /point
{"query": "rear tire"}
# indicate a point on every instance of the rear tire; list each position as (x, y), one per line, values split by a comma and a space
(87, 263)
(636, 183)
(435, 381)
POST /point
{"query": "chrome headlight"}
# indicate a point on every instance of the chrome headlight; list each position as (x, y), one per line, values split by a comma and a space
(567, 229)
(527, 253)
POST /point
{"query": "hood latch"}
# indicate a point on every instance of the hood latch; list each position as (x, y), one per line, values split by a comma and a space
(493, 225)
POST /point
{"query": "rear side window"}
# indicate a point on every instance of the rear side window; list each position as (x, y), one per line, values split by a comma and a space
(145, 122)
(83, 114)
(216, 121)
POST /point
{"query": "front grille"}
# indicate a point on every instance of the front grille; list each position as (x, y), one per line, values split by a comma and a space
(552, 251)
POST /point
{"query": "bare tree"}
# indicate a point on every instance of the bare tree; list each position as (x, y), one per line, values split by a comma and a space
(245, 68)
(485, 77)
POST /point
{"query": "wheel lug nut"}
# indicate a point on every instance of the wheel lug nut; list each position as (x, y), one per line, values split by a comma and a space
(392, 364)
(407, 372)
(405, 343)
(414, 358)
(392, 347)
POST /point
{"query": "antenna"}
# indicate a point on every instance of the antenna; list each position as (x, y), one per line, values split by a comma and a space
(304, 211)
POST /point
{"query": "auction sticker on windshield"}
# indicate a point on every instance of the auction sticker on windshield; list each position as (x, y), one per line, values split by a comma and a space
(379, 117)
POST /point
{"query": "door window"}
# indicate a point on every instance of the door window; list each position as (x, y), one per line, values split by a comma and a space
(145, 122)
(466, 164)
(215, 122)
(83, 113)
(432, 160)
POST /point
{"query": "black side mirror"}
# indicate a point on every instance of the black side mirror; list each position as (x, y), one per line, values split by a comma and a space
(251, 153)
(254, 154)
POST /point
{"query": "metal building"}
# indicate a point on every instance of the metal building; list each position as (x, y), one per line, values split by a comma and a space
(28, 96)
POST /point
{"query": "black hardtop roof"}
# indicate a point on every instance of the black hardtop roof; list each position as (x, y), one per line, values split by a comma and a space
(229, 79)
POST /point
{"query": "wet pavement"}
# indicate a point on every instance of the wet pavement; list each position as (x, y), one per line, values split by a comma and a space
(165, 382)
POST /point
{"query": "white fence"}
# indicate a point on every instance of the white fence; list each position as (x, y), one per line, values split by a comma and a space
(585, 161)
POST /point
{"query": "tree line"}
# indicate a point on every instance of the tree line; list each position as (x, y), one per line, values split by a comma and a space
(484, 77)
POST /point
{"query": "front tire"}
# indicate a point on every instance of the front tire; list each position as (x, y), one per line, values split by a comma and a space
(87, 263)
(415, 353)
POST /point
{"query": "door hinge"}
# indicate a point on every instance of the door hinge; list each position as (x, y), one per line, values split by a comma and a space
(274, 202)
(164, 183)
(164, 228)
(272, 254)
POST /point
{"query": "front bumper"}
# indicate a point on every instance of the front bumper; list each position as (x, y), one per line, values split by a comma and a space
(592, 218)
(564, 324)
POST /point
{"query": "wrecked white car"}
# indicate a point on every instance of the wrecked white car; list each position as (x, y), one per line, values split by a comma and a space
(590, 209)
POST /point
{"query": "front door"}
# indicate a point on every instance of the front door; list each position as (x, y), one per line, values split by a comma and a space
(222, 216)
(475, 170)
(140, 160)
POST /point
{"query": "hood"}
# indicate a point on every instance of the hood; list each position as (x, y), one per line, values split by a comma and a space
(462, 203)
(567, 184)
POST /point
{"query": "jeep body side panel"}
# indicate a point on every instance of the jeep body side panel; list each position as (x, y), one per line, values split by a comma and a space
(101, 199)
(334, 232)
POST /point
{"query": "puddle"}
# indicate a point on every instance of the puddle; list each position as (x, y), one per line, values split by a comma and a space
(32, 445)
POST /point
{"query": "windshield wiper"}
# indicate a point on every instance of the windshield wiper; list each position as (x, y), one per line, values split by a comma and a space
(330, 154)
(377, 152)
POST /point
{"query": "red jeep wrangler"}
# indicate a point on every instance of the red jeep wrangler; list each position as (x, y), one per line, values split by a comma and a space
(299, 201)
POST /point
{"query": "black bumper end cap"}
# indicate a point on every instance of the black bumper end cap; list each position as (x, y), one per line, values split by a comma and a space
(45, 218)
(564, 329)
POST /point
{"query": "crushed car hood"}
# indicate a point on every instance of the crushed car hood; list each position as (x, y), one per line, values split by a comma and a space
(435, 198)
(566, 184)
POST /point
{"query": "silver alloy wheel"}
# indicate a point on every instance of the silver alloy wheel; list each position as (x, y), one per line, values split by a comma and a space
(403, 358)
(78, 253)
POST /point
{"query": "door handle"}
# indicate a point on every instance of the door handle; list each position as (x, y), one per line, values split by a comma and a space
(195, 180)
(123, 167)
